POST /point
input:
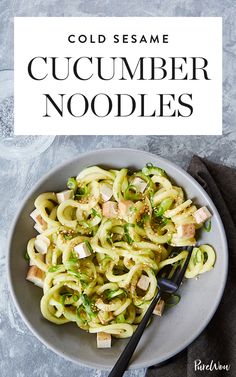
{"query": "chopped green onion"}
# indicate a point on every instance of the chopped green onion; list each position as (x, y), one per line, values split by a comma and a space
(149, 165)
(84, 224)
(165, 220)
(82, 277)
(75, 297)
(111, 294)
(126, 233)
(172, 300)
(81, 320)
(131, 193)
(158, 211)
(64, 296)
(73, 260)
(164, 206)
(71, 264)
(94, 213)
(207, 226)
(89, 245)
(72, 184)
(151, 195)
(81, 191)
(26, 256)
(87, 305)
(144, 218)
(54, 268)
(133, 209)
(120, 318)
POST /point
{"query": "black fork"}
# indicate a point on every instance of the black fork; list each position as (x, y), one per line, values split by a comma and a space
(165, 285)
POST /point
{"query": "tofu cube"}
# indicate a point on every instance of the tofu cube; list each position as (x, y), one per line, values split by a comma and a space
(140, 184)
(82, 250)
(64, 195)
(35, 215)
(39, 228)
(202, 215)
(110, 209)
(44, 239)
(179, 242)
(106, 192)
(103, 340)
(158, 310)
(41, 244)
(105, 317)
(40, 256)
(36, 276)
(186, 231)
(124, 208)
(143, 282)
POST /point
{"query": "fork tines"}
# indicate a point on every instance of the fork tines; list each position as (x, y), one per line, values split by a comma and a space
(176, 274)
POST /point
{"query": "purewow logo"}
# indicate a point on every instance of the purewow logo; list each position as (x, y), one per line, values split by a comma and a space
(213, 365)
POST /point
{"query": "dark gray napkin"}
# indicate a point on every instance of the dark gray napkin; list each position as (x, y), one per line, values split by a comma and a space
(218, 341)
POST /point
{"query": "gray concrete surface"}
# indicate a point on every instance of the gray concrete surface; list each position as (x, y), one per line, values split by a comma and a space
(21, 354)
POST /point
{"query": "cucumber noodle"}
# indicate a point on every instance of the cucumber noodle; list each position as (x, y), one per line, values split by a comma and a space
(99, 293)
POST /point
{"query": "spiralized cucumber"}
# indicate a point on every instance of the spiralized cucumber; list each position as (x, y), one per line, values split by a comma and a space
(101, 292)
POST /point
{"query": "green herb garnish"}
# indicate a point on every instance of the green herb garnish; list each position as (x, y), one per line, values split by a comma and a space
(131, 193)
(158, 211)
(26, 256)
(75, 298)
(81, 191)
(128, 238)
(73, 260)
(111, 294)
(54, 268)
(72, 184)
(94, 213)
(145, 217)
(83, 277)
(165, 220)
(87, 305)
(207, 226)
(151, 195)
(64, 296)
(164, 206)
(89, 245)
(172, 300)
(120, 318)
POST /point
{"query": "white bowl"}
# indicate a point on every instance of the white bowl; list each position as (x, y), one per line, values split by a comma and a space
(165, 336)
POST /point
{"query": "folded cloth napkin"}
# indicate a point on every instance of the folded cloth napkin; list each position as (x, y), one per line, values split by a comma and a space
(217, 343)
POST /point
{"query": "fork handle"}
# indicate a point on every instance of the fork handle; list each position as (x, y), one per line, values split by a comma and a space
(124, 359)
